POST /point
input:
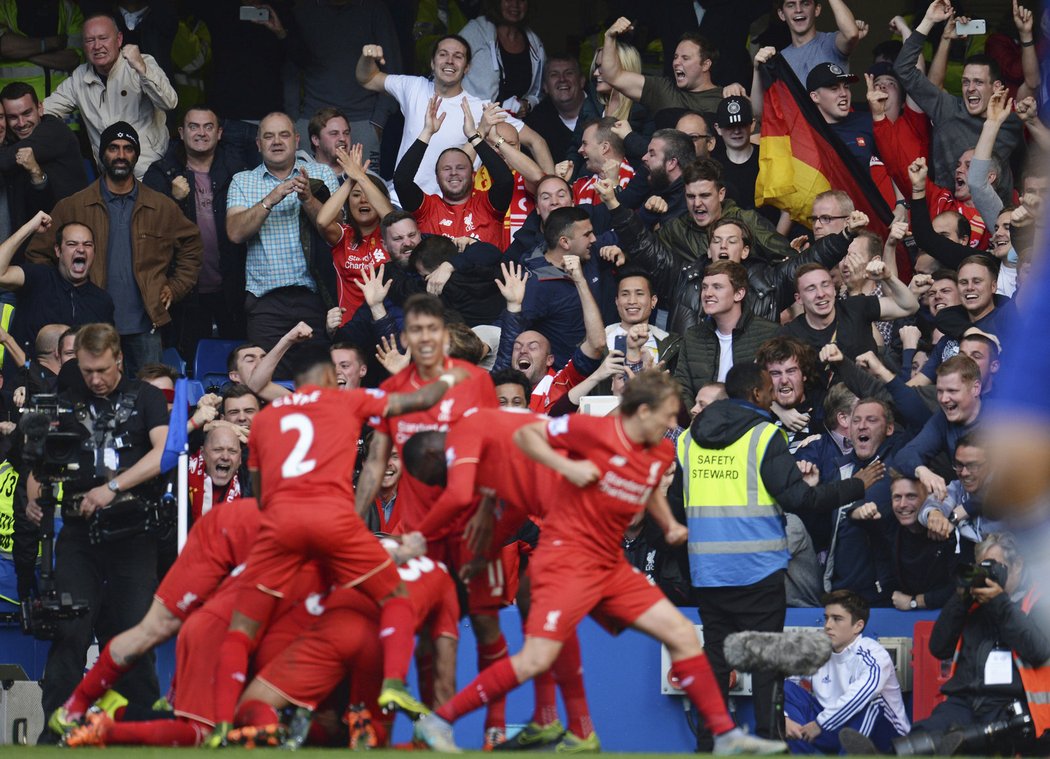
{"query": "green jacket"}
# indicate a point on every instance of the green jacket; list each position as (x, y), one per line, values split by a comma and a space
(690, 242)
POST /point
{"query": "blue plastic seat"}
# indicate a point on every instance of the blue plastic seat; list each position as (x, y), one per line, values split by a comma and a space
(211, 357)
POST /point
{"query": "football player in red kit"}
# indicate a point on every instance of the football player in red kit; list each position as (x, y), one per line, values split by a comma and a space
(303, 450)
(478, 454)
(218, 543)
(578, 568)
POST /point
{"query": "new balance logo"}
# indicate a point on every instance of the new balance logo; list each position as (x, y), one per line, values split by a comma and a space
(618, 461)
(551, 625)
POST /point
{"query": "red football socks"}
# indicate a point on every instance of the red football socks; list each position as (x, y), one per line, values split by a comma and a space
(258, 713)
(161, 732)
(397, 624)
(231, 673)
(489, 654)
(695, 677)
(568, 671)
(98, 680)
(495, 682)
(546, 704)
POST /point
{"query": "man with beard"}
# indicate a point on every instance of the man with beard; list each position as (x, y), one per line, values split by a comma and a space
(151, 253)
(669, 152)
(329, 131)
(798, 388)
(460, 210)
(959, 396)
(601, 147)
(60, 294)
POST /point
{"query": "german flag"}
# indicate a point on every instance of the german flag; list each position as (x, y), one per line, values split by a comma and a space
(800, 157)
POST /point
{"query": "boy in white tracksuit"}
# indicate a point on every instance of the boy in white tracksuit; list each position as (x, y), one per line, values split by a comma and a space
(857, 687)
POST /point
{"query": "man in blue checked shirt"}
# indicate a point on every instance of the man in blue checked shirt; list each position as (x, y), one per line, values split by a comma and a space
(265, 208)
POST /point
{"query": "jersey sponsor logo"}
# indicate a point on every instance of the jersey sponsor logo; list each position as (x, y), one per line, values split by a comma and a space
(559, 425)
(551, 623)
(445, 223)
(375, 392)
(238, 569)
(186, 602)
(618, 461)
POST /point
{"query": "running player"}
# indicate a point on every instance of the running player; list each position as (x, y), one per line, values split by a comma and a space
(579, 568)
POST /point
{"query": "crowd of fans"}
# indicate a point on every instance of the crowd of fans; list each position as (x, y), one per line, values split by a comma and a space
(582, 218)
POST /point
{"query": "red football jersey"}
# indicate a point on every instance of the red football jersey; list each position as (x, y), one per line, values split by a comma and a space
(350, 259)
(414, 498)
(584, 193)
(594, 518)
(476, 218)
(481, 455)
(304, 445)
(218, 543)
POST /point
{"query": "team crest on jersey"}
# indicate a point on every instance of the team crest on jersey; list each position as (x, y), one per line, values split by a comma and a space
(445, 410)
(468, 221)
(551, 625)
(186, 602)
(313, 604)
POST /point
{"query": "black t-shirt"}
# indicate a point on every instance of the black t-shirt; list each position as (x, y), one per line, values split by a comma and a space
(149, 411)
(47, 298)
(850, 330)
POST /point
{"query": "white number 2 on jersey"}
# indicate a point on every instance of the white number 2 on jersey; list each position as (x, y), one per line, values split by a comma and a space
(296, 465)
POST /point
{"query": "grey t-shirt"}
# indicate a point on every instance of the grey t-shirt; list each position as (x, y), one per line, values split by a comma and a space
(820, 49)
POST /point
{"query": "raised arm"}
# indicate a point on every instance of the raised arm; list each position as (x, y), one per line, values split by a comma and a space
(928, 95)
(949, 253)
(850, 31)
(261, 378)
(1024, 22)
(12, 277)
(502, 187)
(372, 472)
(368, 73)
(155, 84)
(426, 396)
(901, 301)
(758, 80)
(409, 193)
(594, 341)
(541, 152)
(628, 83)
(985, 199)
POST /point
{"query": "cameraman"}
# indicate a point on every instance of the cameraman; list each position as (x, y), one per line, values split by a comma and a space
(989, 626)
(125, 430)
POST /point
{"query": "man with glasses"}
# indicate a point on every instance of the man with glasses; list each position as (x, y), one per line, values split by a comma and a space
(962, 508)
(696, 128)
(830, 211)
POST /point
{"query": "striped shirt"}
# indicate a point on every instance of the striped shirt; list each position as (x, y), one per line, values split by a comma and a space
(860, 675)
(275, 253)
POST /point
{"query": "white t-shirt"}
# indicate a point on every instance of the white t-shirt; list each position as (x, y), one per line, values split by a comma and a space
(1007, 281)
(612, 331)
(725, 355)
(413, 94)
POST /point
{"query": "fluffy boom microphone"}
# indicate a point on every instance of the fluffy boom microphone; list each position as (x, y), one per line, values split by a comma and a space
(796, 652)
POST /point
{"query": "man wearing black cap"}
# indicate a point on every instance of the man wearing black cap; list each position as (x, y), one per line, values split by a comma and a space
(828, 87)
(734, 122)
(148, 254)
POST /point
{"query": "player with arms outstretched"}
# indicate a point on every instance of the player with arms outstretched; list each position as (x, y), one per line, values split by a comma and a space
(578, 569)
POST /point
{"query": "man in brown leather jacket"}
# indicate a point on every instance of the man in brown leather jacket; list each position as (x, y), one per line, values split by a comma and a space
(147, 253)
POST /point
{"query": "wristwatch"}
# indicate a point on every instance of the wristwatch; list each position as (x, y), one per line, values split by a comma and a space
(913, 604)
(113, 486)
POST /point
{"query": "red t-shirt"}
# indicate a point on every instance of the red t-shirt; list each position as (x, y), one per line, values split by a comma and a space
(583, 191)
(414, 498)
(553, 386)
(593, 519)
(481, 455)
(350, 259)
(521, 204)
(476, 218)
(305, 444)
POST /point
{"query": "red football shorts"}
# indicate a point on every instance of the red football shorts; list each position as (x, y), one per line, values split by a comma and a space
(332, 534)
(564, 592)
(196, 654)
(341, 641)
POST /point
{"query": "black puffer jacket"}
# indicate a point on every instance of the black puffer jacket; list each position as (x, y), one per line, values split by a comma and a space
(678, 281)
